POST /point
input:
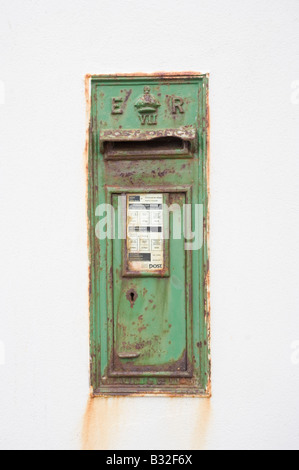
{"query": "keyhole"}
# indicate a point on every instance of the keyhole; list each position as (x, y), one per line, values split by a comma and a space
(132, 296)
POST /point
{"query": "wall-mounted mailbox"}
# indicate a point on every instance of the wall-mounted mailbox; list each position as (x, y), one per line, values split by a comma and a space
(148, 208)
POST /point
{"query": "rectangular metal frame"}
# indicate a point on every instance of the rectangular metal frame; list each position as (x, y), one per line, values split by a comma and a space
(100, 270)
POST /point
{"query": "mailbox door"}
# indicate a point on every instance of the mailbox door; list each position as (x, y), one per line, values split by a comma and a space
(151, 318)
(149, 299)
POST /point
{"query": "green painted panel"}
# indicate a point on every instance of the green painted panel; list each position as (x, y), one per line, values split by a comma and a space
(154, 326)
(149, 333)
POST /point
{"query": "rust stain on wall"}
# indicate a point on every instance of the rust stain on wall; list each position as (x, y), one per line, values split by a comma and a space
(203, 412)
(106, 420)
(101, 423)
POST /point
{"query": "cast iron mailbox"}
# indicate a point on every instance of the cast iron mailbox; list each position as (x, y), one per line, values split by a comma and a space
(148, 210)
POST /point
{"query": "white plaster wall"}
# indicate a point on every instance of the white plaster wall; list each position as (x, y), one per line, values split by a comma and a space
(250, 47)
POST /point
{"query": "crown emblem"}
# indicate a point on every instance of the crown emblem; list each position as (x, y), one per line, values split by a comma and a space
(147, 107)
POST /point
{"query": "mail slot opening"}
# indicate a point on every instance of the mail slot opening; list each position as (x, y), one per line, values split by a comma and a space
(162, 146)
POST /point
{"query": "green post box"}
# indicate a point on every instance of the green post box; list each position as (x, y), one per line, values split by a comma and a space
(148, 213)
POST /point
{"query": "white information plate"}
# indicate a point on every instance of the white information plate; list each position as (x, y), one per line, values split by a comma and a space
(145, 233)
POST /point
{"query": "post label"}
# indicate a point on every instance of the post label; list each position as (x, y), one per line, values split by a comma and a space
(145, 232)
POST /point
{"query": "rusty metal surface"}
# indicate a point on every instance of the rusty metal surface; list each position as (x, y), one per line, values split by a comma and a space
(156, 338)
